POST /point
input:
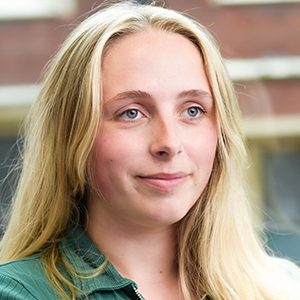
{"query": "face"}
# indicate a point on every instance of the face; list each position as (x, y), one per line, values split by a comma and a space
(157, 142)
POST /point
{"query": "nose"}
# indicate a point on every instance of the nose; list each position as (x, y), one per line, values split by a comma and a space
(166, 142)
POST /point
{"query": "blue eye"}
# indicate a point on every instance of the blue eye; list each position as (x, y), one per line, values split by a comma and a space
(131, 114)
(193, 111)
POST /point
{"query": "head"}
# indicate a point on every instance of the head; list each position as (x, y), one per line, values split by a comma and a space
(73, 89)
(67, 116)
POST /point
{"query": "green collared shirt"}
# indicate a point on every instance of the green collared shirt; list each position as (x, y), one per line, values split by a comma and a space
(26, 278)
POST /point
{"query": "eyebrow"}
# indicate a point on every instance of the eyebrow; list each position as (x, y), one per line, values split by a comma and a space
(195, 93)
(137, 94)
(130, 94)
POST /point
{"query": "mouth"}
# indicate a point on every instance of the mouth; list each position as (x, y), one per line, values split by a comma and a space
(165, 182)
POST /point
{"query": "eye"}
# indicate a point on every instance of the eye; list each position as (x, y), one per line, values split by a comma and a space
(131, 114)
(193, 112)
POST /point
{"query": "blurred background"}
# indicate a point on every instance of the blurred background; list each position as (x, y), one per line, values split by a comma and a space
(260, 40)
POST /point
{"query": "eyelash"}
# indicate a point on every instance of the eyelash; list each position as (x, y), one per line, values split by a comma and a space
(124, 115)
(199, 109)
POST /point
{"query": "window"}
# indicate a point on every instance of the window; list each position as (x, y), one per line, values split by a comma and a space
(142, 1)
(282, 194)
(8, 154)
(282, 190)
(274, 179)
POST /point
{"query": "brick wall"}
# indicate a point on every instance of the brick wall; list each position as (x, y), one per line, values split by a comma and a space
(245, 31)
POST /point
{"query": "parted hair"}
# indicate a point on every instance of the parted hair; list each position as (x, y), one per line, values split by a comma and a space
(219, 251)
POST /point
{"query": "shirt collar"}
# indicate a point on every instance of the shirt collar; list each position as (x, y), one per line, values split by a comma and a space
(84, 257)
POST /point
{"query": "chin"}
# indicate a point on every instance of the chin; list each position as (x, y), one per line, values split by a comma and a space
(163, 218)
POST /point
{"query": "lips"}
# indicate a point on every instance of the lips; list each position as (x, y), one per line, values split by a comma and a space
(165, 182)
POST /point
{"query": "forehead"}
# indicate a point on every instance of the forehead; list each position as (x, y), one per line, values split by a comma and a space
(143, 40)
(157, 62)
(151, 47)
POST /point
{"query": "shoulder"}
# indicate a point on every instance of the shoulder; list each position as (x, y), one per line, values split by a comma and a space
(25, 279)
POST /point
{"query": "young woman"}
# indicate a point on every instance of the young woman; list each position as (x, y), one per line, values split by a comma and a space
(131, 186)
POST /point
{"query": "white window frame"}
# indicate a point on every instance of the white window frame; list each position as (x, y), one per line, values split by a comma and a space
(274, 67)
(248, 2)
(35, 9)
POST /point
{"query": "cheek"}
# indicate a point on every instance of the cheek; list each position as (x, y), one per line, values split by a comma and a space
(204, 151)
(210, 150)
(104, 164)
(206, 144)
(113, 156)
(109, 150)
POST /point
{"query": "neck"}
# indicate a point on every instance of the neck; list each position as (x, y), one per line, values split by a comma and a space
(141, 253)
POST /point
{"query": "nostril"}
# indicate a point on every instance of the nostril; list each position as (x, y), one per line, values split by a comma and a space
(162, 153)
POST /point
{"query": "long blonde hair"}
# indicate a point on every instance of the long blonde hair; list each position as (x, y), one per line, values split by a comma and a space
(219, 252)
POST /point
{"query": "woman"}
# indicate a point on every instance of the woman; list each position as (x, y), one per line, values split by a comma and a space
(131, 185)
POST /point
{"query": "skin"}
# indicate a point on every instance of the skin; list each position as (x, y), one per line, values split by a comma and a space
(154, 155)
